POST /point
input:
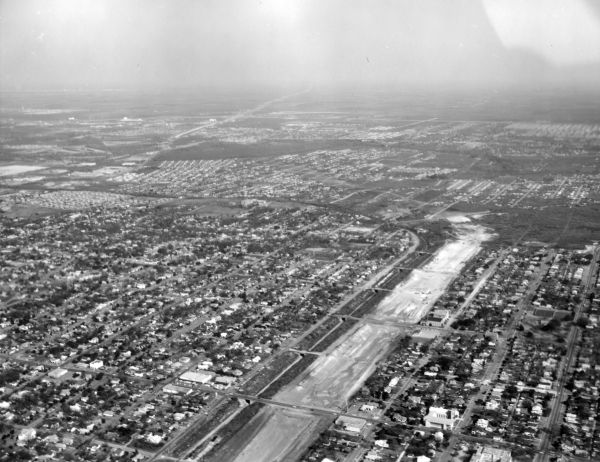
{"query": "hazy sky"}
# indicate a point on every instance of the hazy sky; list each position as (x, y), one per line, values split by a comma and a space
(181, 43)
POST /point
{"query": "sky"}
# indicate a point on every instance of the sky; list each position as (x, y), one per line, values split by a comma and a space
(80, 44)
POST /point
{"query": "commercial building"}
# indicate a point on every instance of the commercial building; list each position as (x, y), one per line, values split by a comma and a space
(439, 417)
(490, 454)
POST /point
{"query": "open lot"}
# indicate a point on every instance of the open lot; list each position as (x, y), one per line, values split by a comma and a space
(8, 170)
(411, 299)
(276, 433)
(334, 377)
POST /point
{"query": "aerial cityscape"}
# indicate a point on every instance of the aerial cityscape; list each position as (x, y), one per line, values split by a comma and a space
(311, 272)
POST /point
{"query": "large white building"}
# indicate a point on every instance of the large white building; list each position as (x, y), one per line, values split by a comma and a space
(439, 417)
(437, 318)
(196, 377)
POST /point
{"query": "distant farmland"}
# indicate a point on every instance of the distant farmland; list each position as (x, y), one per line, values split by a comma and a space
(223, 150)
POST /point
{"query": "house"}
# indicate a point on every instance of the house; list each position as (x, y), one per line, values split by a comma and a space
(176, 389)
(57, 373)
(414, 399)
(483, 423)
(96, 364)
(52, 439)
(153, 438)
(224, 380)
(571, 418)
(399, 418)
(439, 417)
(492, 405)
(27, 434)
(369, 407)
(372, 455)
(204, 365)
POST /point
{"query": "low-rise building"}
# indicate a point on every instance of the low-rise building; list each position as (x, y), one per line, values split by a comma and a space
(57, 373)
(490, 454)
(351, 424)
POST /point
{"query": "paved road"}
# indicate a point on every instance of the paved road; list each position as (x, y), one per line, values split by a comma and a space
(556, 413)
(240, 115)
(493, 367)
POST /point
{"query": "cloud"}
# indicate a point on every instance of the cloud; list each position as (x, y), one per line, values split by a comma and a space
(183, 43)
(562, 32)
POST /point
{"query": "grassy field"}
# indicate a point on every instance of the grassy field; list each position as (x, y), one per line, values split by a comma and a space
(336, 333)
(288, 376)
(567, 227)
(223, 450)
(202, 428)
(228, 150)
(318, 334)
(269, 372)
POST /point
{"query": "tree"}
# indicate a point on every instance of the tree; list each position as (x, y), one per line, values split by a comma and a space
(511, 391)
(551, 325)
(445, 362)
(8, 376)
